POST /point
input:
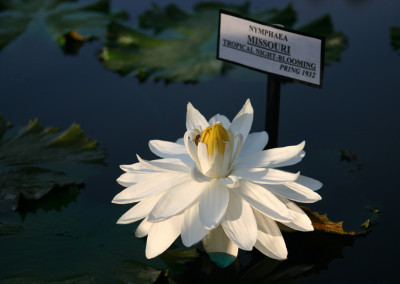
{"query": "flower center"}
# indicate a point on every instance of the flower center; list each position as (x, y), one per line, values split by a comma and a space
(215, 137)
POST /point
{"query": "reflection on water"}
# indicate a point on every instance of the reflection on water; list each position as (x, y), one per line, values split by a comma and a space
(57, 199)
(352, 158)
(182, 46)
(309, 253)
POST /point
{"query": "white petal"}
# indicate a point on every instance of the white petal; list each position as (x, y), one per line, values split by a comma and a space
(143, 229)
(294, 191)
(162, 235)
(165, 149)
(194, 118)
(238, 147)
(300, 222)
(310, 183)
(190, 148)
(156, 165)
(243, 120)
(193, 231)
(170, 164)
(136, 168)
(198, 176)
(213, 204)
(140, 210)
(202, 154)
(230, 181)
(177, 199)
(160, 183)
(269, 158)
(292, 161)
(128, 179)
(270, 241)
(226, 160)
(241, 230)
(265, 176)
(217, 241)
(263, 200)
(255, 142)
(222, 119)
(217, 166)
(180, 141)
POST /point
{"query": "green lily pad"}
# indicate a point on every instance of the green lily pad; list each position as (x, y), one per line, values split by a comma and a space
(60, 17)
(395, 38)
(173, 45)
(34, 160)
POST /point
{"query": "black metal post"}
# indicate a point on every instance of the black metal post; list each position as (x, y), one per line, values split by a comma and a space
(272, 116)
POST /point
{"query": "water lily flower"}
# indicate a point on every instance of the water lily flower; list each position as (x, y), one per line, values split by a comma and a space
(217, 185)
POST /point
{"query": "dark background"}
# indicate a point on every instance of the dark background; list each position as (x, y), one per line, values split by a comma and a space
(356, 109)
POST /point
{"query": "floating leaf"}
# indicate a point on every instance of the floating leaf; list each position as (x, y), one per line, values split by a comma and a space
(322, 223)
(63, 18)
(72, 41)
(395, 38)
(34, 160)
(181, 46)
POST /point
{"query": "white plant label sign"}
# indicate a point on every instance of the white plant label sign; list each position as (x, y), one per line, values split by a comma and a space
(270, 49)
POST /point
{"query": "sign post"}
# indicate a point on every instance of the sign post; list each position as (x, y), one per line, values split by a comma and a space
(280, 52)
(272, 116)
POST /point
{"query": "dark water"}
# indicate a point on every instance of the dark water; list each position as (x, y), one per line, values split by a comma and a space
(357, 109)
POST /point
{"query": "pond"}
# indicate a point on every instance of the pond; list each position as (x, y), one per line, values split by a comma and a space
(66, 62)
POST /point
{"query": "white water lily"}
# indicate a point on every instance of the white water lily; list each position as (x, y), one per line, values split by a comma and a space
(217, 185)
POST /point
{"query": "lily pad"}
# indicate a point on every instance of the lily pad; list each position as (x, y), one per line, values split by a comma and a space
(173, 45)
(395, 38)
(60, 17)
(34, 160)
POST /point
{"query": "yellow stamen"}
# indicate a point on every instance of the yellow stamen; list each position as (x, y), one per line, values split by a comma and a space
(215, 137)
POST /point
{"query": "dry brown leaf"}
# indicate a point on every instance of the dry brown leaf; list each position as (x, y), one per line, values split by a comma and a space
(322, 223)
